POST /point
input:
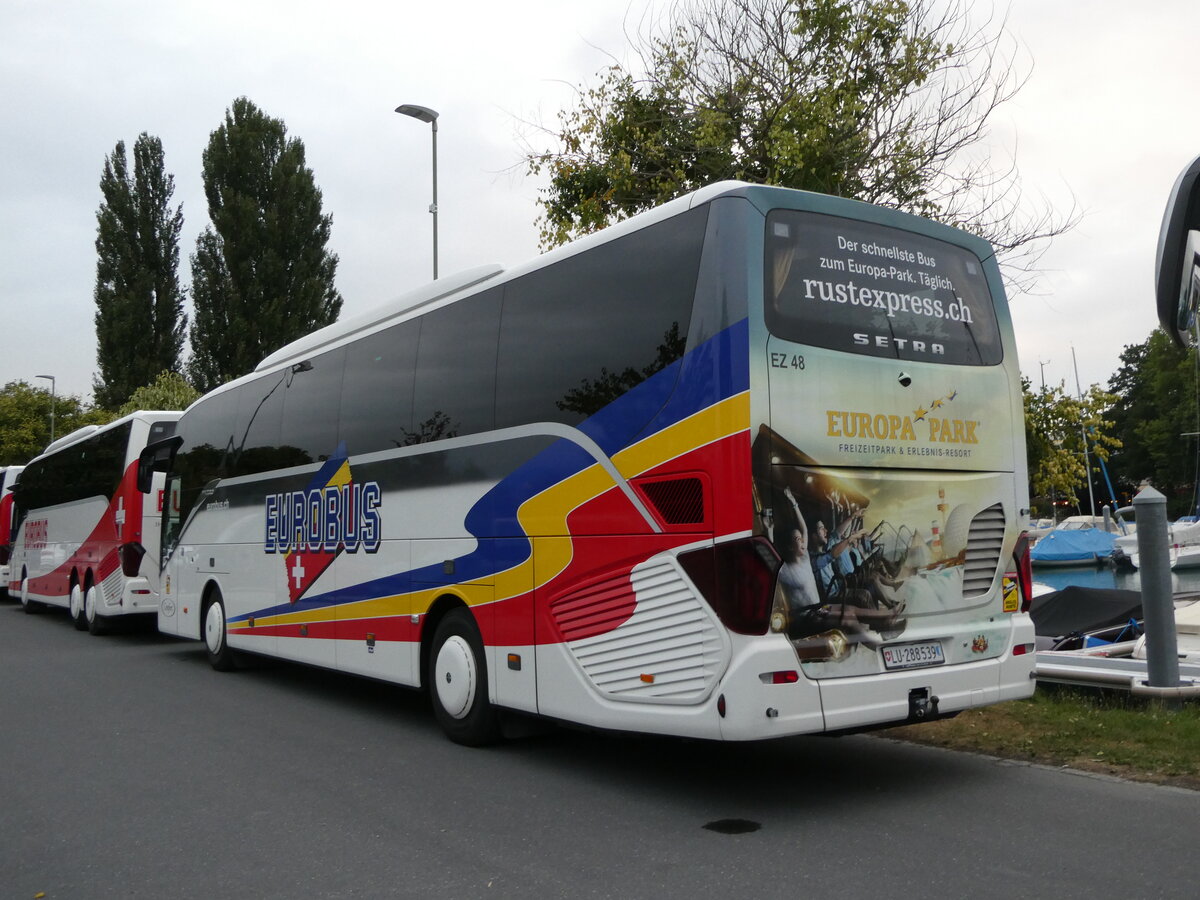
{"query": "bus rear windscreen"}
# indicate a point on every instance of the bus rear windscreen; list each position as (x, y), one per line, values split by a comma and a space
(864, 288)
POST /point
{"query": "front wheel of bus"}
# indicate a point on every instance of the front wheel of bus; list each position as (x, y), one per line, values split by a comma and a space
(30, 606)
(458, 683)
(96, 623)
(216, 638)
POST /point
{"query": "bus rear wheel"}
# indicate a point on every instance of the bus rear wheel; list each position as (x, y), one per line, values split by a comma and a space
(76, 609)
(96, 623)
(458, 684)
(216, 638)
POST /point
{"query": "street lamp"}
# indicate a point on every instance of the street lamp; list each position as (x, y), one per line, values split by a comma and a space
(50, 378)
(425, 114)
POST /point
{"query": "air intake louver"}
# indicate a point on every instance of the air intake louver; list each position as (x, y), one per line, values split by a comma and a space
(984, 541)
(678, 501)
(666, 647)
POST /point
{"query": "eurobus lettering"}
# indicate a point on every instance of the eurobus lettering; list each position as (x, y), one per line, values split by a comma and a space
(329, 518)
(593, 487)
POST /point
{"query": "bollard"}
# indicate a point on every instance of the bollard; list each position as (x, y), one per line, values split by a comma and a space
(1158, 607)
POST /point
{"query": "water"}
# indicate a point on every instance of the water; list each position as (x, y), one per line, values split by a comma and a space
(1186, 581)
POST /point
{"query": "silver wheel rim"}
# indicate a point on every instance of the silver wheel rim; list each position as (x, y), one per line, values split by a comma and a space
(76, 601)
(89, 604)
(454, 677)
(25, 592)
(214, 628)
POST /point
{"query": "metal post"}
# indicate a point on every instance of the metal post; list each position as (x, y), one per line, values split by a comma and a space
(433, 207)
(53, 383)
(425, 114)
(1158, 608)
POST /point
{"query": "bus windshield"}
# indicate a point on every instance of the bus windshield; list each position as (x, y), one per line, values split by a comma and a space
(850, 285)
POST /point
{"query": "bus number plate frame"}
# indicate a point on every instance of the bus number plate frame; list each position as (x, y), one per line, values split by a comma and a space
(917, 655)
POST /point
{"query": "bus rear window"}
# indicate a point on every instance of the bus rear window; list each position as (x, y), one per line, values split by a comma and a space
(865, 288)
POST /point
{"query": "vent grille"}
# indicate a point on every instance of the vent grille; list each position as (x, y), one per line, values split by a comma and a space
(668, 650)
(678, 501)
(984, 542)
(596, 609)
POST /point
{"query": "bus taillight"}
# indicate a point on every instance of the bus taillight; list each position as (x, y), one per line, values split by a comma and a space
(1024, 570)
(738, 581)
(131, 559)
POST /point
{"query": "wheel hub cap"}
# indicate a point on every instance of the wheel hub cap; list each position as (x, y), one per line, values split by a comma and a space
(454, 677)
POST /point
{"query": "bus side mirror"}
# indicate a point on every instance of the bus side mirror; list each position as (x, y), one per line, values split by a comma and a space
(157, 457)
(1177, 263)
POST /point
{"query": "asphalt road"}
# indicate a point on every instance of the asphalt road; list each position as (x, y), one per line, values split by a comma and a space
(129, 769)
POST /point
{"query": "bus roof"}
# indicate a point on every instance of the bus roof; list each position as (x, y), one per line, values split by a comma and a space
(764, 197)
(87, 431)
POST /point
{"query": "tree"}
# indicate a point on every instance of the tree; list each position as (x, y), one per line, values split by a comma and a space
(1055, 425)
(880, 100)
(1155, 416)
(140, 322)
(261, 273)
(170, 390)
(25, 420)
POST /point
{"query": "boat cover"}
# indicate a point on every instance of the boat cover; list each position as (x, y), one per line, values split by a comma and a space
(1075, 610)
(1083, 544)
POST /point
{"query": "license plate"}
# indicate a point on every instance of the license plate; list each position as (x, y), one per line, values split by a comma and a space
(913, 656)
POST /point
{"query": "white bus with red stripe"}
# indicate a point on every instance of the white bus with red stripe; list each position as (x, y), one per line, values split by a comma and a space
(85, 538)
(8, 477)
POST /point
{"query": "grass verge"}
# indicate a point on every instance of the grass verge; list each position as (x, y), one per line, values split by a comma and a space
(1109, 732)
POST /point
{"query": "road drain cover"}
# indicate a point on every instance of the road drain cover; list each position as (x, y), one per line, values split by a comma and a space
(733, 826)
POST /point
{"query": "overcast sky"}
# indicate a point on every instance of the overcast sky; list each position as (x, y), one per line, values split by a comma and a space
(1103, 123)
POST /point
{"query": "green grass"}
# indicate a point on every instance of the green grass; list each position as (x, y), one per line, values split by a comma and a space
(1098, 731)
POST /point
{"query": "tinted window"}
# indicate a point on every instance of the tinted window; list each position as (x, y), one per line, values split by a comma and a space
(855, 286)
(90, 468)
(312, 395)
(207, 432)
(256, 433)
(456, 390)
(581, 332)
(377, 391)
(160, 431)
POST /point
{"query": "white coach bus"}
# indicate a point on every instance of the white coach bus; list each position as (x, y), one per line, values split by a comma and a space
(85, 538)
(747, 465)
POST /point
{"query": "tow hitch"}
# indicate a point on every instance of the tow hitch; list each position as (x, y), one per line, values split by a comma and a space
(921, 706)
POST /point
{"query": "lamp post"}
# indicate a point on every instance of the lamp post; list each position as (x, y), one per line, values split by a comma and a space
(50, 378)
(425, 114)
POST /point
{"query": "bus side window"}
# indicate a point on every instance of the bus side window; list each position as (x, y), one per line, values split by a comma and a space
(377, 390)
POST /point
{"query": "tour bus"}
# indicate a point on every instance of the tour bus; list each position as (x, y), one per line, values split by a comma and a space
(8, 477)
(85, 537)
(747, 465)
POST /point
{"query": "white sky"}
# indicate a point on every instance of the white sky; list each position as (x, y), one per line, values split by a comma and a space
(1103, 120)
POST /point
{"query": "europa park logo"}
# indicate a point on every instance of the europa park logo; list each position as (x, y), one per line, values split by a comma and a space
(310, 528)
(930, 420)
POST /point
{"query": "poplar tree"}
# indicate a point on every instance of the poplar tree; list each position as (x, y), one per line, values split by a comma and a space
(262, 275)
(140, 321)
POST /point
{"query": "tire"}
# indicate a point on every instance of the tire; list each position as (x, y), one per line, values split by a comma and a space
(216, 638)
(458, 683)
(96, 623)
(30, 606)
(77, 613)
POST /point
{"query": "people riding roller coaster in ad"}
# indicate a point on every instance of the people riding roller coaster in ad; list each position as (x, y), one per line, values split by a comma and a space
(813, 575)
